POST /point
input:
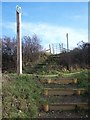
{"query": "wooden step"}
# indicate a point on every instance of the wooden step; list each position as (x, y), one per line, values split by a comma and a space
(60, 86)
(63, 91)
(41, 64)
(55, 56)
(45, 77)
(67, 98)
(65, 106)
(60, 80)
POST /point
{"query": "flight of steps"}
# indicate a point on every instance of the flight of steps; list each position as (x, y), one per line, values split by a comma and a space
(62, 94)
(45, 65)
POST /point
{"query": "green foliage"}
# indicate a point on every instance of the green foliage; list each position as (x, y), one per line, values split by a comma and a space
(21, 96)
(83, 77)
(30, 50)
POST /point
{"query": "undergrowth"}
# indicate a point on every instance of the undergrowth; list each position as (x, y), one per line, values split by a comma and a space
(21, 96)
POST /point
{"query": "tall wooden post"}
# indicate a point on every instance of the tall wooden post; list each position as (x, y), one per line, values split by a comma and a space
(60, 47)
(53, 48)
(50, 48)
(68, 57)
(67, 42)
(19, 42)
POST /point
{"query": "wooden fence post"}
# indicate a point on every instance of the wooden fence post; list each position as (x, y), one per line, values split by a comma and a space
(50, 48)
(53, 48)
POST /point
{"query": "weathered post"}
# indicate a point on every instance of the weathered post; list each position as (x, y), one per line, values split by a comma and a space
(19, 42)
(68, 56)
(53, 48)
(50, 48)
(60, 47)
(67, 43)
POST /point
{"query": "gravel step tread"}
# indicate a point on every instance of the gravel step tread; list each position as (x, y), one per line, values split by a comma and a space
(63, 114)
(60, 86)
(68, 99)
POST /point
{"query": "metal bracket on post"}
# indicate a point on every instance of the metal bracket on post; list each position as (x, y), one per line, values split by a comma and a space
(19, 42)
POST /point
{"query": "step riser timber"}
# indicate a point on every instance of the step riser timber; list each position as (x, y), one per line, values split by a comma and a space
(65, 81)
(63, 92)
(66, 107)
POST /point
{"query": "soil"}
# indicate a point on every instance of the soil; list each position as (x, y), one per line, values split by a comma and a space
(63, 114)
(60, 85)
(67, 99)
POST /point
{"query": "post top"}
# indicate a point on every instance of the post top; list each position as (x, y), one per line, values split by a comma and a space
(18, 9)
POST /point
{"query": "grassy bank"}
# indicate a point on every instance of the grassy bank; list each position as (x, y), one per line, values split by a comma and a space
(82, 76)
(21, 96)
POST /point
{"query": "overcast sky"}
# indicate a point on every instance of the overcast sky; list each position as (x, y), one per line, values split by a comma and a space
(50, 21)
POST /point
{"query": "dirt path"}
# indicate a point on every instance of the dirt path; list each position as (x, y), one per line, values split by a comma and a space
(64, 114)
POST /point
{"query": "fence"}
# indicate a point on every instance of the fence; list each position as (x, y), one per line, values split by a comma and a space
(55, 48)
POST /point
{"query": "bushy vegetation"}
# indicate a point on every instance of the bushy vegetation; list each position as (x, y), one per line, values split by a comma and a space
(78, 58)
(30, 50)
(75, 60)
